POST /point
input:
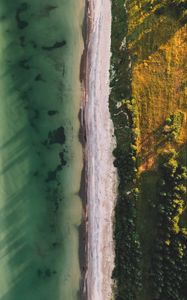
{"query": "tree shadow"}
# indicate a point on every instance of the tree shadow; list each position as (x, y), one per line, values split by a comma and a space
(158, 139)
(162, 22)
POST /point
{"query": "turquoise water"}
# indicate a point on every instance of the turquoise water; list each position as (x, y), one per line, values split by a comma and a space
(40, 154)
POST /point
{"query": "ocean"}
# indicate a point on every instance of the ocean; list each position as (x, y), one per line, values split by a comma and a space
(40, 154)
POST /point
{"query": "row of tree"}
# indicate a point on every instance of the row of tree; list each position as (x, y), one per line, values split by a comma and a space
(127, 272)
(169, 271)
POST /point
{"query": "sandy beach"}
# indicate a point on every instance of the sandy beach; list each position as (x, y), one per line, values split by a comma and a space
(101, 174)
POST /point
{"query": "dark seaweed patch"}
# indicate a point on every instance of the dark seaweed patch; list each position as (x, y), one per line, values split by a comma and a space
(49, 8)
(55, 46)
(62, 160)
(24, 64)
(52, 112)
(56, 201)
(39, 78)
(56, 244)
(36, 174)
(22, 8)
(22, 41)
(33, 43)
(46, 273)
(22, 24)
(57, 136)
(52, 175)
(36, 114)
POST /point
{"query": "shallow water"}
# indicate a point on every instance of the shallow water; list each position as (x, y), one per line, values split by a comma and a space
(40, 154)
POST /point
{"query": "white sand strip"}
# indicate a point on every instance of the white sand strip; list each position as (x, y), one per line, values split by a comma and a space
(102, 176)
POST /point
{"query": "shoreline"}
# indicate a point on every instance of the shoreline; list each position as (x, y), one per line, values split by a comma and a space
(83, 234)
(99, 176)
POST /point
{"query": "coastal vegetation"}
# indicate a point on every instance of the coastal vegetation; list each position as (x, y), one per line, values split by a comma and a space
(127, 272)
(169, 259)
(149, 109)
(128, 251)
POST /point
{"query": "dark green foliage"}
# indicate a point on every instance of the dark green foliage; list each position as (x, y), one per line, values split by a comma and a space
(127, 271)
(120, 71)
(169, 271)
